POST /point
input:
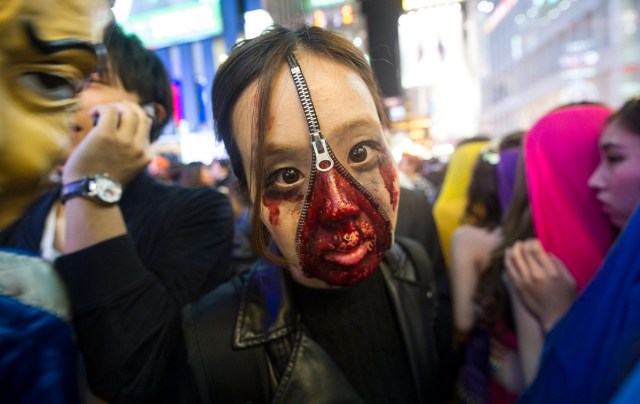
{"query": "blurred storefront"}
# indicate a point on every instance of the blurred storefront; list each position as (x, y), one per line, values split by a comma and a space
(440, 86)
(538, 54)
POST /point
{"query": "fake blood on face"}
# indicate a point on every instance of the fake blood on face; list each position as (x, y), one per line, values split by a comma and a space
(344, 235)
(273, 202)
(390, 178)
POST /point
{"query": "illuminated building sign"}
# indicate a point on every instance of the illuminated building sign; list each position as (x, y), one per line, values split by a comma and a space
(163, 26)
(415, 4)
(310, 5)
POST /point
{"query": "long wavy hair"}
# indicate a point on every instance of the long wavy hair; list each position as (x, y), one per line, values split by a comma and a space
(491, 295)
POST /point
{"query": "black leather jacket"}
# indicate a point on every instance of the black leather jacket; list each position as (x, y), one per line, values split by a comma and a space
(246, 342)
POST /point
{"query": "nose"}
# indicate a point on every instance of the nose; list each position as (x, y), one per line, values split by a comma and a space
(596, 181)
(340, 198)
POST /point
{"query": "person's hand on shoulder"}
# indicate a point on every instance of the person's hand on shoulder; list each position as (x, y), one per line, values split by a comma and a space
(542, 281)
(118, 145)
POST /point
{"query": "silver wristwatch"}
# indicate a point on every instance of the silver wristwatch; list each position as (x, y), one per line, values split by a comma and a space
(100, 188)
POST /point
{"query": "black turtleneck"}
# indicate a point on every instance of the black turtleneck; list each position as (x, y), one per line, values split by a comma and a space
(356, 326)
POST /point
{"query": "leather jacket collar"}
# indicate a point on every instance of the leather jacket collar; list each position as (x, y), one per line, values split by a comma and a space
(267, 313)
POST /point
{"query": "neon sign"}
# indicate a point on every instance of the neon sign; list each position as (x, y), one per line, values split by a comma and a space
(181, 23)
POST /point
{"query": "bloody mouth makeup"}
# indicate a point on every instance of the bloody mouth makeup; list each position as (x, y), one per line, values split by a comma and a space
(343, 232)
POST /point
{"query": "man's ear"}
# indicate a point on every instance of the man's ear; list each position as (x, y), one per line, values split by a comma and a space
(8, 10)
(160, 114)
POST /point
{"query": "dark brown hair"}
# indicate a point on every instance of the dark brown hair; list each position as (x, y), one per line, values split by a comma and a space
(483, 200)
(483, 206)
(517, 224)
(259, 60)
(628, 116)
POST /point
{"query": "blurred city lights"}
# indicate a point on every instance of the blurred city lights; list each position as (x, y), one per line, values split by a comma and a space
(485, 6)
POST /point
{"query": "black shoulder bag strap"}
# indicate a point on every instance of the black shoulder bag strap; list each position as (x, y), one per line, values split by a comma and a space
(421, 264)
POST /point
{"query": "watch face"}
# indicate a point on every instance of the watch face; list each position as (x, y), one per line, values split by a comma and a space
(106, 189)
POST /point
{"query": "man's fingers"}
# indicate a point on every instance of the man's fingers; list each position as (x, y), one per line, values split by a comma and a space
(107, 118)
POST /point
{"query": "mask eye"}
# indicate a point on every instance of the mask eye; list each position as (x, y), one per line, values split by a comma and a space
(49, 86)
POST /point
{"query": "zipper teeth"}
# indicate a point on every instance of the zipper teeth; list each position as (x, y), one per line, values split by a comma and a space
(305, 209)
(360, 187)
(307, 200)
(303, 94)
(314, 129)
(307, 105)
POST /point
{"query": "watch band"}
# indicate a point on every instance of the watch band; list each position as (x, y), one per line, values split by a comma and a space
(100, 188)
(73, 189)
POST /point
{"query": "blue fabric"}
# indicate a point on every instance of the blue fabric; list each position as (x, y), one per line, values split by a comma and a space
(593, 347)
(37, 356)
(630, 390)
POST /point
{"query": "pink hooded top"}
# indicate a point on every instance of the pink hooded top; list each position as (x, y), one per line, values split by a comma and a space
(561, 153)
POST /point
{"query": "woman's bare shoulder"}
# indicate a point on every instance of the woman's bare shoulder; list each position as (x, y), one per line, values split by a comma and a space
(475, 242)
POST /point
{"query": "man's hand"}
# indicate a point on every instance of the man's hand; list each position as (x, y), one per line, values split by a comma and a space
(117, 145)
(542, 280)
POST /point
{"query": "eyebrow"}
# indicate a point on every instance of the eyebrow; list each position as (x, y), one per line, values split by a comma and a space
(357, 124)
(338, 134)
(288, 153)
(60, 45)
(281, 152)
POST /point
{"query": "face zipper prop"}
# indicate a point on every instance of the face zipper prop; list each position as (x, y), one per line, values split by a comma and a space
(343, 232)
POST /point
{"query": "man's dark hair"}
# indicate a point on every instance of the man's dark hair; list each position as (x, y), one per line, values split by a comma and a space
(141, 72)
(226, 163)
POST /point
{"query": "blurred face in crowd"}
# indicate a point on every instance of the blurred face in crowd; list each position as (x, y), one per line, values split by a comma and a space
(46, 52)
(617, 178)
(100, 89)
(336, 230)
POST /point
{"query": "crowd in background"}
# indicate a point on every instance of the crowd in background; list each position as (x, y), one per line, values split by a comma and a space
(507, 275)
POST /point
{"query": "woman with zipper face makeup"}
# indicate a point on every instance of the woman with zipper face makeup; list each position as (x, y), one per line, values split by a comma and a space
(336, 297)
(331, 221)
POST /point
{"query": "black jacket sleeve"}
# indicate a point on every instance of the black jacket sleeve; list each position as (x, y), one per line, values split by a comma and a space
(127, 293)
(128, 328)
(182, 235)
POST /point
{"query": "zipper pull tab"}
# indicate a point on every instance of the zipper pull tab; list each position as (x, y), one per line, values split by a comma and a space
(323, 159)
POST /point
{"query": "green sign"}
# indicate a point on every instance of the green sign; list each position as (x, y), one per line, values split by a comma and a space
(181, 23)
(310, 5)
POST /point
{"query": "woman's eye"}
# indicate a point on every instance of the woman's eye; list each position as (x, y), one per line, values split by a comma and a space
(358, 154)
(50, 86)
(612, 159)
(284, 177)
(362, 152)
(290, 175)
